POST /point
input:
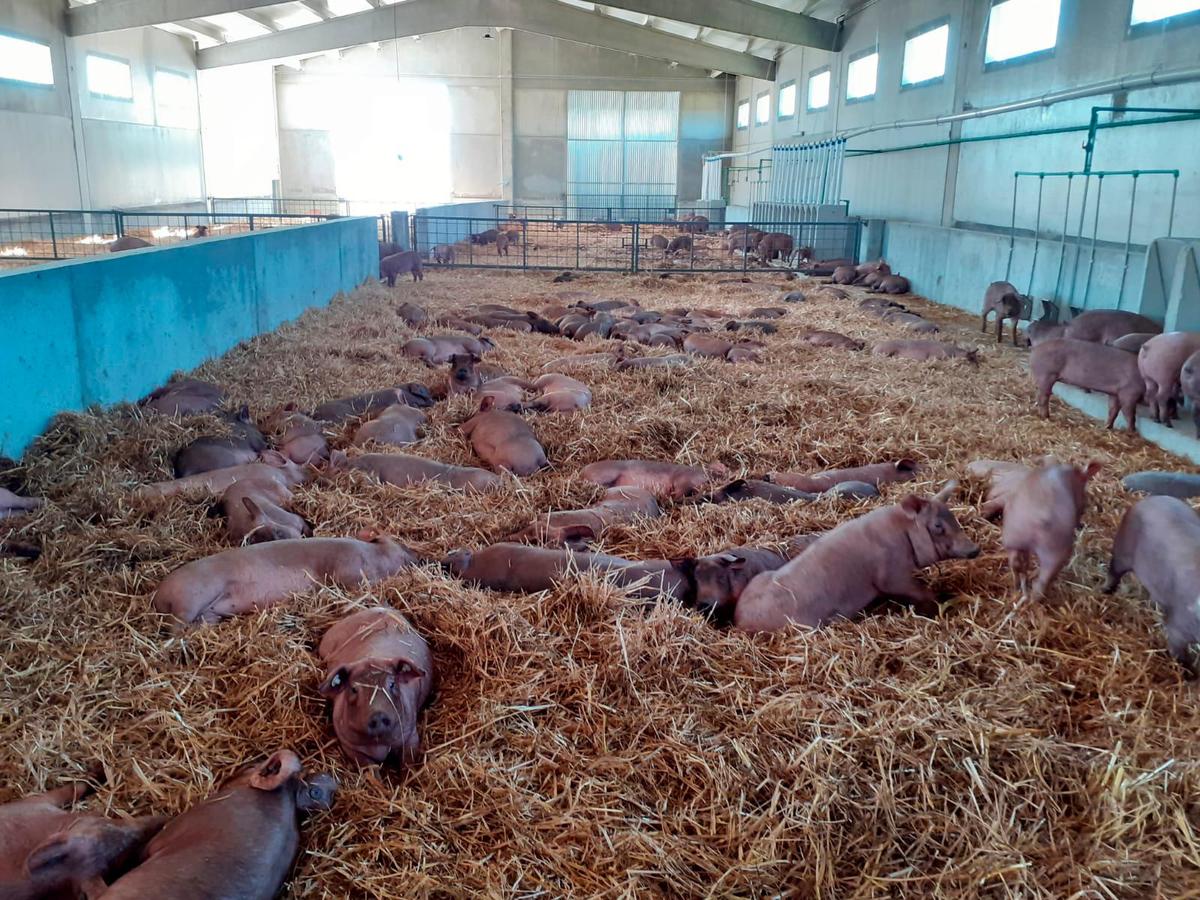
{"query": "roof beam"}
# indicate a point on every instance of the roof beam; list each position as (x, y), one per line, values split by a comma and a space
(205, 28)
(547, 17)
(741, 17)
(259, 19)
(114, 15)
(317, 7)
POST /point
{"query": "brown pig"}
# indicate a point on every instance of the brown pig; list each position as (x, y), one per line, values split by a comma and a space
(298, 437)
(241, 842)
(619, 505)
(924, 350)
(256, 511)
(678, 245)
(128, 242)
(414, 316)
(874, 473)
(720, 579)
(1160, 360)
(378, 674)
(831, 339)
(405, 263)
(750, 489)
(911, 321)
(1004, 477)
(397, 425)
(211, 452)
(662, 478)
(273, 467)
(560, 393)
(402, 469)
(655, 362)
(1042, 512)
(707, 345)
(504, 440)
(848, 568)
(844, 275)
(187, 397)
(437, 349)
(507, 393)
(1159, 541)
(1189, 385)
(891, 284)
(374, 402)
(1090, 365)
(240, 581)
(1130, 342)
(1104, 325)
(49, 853)
(1003, 299)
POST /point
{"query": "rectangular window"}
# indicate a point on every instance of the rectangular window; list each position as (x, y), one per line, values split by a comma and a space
(174, 99)
(862, 75)
(762, 108)
(1020, 28)
(787, 101)
(743, 115)
(925, 55)
(818, 88)
(27, 61)
(109, 77)
(1147, 11)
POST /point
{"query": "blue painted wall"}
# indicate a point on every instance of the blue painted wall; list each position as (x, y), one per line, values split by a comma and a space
(468, 218)
(112, 328)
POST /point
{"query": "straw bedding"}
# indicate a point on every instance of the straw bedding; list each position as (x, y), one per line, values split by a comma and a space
(581, 744)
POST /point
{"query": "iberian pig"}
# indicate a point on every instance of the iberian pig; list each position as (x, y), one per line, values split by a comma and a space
(844, 275)
(402, 469)
(1131, 342)
(924, 350)
(378, 673)
(443, 254)
(15, 505)
(52, 854)
(678, 245)
(767, 312)
(658, 242)
(129, 242)
(298, 437)
(240, 843)
(397, 425)
(879, 267)
(1159, 541)
(1043, 330)
(750, 489)
(485, 237)
(507, 393)
(1183, 485)
(1104, 325)
(743, 353)
(273, 466)
(389, 248)
(560, 393)
(774, 245)
(662, 478)
(1042, 512)
(406, 263)
(1090, 365)
(414, 316)
(209, 452)
(618, 505)
(374, 402)
(1189, 385)
(873, 473)
(187, 397)
(503, 239)
(521, 568)
(870, 280)
(655, 362)
(1003, 299)
(504, 440)
(719, 579)
(912, 322)
(1160, 360)
(891, 284)
(601, 325)
(707, 345)
(848, 568)
(257, 511)
(831, 339)
(246, 579)
(1004, 477)
(752, 325)
(466, 375)
(437, 349)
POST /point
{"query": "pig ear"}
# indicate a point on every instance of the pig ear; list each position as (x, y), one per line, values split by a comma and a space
(243, 414)
(912, 505)
(407, 670)
(291, 406)
(274, 458)
(946, 492)
(61, 852)
(1092, 470)
(731, 559)
(367, 534)
(335, 683)
(251, 507)
(718, 470)
(487, 403)
(338, 459)
(276, 771)
(907, 465)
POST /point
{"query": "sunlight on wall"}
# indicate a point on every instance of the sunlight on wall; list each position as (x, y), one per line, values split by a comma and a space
(237, 124)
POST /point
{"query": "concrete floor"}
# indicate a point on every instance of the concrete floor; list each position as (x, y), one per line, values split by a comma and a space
(1181, 438)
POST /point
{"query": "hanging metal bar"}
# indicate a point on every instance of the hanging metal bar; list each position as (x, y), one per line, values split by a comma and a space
(1128, 239)
(1012, 227)
(1087, 287)
(1037, 235)
(1087, 183)
(1062, 247)
(1171, 214)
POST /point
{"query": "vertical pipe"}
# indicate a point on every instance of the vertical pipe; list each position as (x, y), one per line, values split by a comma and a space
(635, 248)
(1037, 235)
(1087, 183)
(1171, 214)
(1012, 227)
(1087, 285)
(1062, 247)
(53, 237)
(577, 243)
(1128, 239)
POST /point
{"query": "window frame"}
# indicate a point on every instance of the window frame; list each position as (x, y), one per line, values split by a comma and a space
(737, 107)
(101, 95)
(917, 32)
(1024, 58)
(1158, 26)
(851, 60)
(779, 116)
(758, 98)
(808, 107)
(195, 125)
(19, 82)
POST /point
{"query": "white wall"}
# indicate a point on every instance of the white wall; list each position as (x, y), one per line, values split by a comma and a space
(241, 142)
(65, 147)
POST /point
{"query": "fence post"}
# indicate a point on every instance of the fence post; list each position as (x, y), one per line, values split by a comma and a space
(53, 237)
(635, 253)
(577, 243)
(251, 221)
(525, 244)
(119, 223)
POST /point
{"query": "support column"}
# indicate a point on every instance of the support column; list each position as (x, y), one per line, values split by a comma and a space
(967, 29)
(507, 126)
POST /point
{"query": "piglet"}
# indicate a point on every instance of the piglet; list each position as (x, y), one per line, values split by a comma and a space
(397, 425)
(246, 579)
(1159, 541)
(257, 511)
(1003, 299)
(373, 403)
(219, 452)
(405, 263)
(873, 473)
(1042, 512)
(297, 436)
(186, 397)
(1105, 325)
(273, 467)
(560, 393)
(1089, 365)
(240, 843)
(437, 349)
(662, 478)
(831, 339)
(891, 284)
(1189, 385)
(504, 440)
(618, 505)
(844, 571)
(378, 674)
(1161, 360)
(719, 579)
(403, 469)
(47, 852)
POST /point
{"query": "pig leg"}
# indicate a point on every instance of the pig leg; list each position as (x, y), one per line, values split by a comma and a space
(1016, 321)
(992, 509)
(999, 326)
(1114, 407)
(1045, 387)
(905, 586)
(983, 321)
(1018, 561)
(1129, 404)
(1050, 563)
(1185, 650)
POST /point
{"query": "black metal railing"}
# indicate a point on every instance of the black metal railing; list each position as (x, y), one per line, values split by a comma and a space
(528, 243)
(609, 213)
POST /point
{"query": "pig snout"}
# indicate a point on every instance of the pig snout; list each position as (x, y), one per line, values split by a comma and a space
(317, 792)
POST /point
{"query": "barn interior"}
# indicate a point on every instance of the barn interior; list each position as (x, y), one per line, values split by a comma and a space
(754, 240)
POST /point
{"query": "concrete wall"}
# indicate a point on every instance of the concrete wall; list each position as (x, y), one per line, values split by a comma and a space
(508, 108)
(110, 329)
(65, 147)
(970, 185)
